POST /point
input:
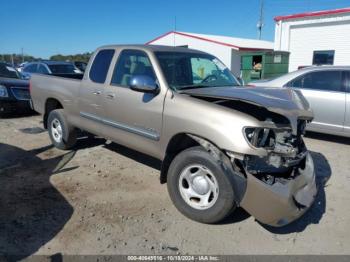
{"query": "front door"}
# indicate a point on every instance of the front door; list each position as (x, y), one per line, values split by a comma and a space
(133, 118)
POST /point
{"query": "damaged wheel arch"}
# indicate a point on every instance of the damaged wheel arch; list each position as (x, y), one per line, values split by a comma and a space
(237, 179)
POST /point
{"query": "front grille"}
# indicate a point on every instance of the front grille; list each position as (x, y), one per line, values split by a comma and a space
(20, 93)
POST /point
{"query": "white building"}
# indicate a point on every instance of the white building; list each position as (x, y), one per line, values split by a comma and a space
(315, 38)
(227, 49)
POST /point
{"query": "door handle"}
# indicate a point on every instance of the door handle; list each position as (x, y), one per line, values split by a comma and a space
(110, 96)
(96, 92)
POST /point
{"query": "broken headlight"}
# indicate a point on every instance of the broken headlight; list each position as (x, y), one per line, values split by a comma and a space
(280, 141)
(260, 137)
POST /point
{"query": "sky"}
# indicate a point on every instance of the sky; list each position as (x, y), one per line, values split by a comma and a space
(47, 27)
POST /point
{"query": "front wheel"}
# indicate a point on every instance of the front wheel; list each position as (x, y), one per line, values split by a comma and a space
(199, 187)
(62, 135)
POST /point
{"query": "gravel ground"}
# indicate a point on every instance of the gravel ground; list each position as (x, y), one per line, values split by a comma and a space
(106, 199)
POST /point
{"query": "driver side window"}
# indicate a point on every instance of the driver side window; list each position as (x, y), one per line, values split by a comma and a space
(131, 63)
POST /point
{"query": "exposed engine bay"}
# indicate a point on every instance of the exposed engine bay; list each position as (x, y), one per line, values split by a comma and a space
(284, 176)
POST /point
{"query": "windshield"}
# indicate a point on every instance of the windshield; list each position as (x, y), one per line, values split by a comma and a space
(184, 70)
(8, 71)
(63, 69)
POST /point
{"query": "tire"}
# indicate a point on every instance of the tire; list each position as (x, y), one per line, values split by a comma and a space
(62, 135)
(182, 169)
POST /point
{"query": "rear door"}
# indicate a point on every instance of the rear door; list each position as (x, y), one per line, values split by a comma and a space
(91, 91)
(325, 92)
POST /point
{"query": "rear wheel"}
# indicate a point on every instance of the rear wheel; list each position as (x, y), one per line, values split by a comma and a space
(199, 186)
(62, 135)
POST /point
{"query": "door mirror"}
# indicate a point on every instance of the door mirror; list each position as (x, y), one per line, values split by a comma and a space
(143, 83)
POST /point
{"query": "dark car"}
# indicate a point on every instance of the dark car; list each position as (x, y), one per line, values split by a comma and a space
(56, 68)
(80, 65)
(14, 91)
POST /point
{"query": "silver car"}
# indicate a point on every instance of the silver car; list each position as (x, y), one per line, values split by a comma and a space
(327, 89)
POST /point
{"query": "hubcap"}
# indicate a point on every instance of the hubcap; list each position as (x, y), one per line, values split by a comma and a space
(198, 187)
(56, 130)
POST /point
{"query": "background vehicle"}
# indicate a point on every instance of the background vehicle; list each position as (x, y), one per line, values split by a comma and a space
(80, 65)
(20, 66)
(221, 145)
(327, 89)
(14, 91)
(56, 68)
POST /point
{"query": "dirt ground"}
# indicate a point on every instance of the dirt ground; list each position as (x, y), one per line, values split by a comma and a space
(106, 199)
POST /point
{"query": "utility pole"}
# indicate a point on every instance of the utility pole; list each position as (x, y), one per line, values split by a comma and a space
(260, 23)
(22, 55)
(174, 30)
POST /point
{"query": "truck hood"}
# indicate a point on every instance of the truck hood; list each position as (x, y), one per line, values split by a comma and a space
(284, 101)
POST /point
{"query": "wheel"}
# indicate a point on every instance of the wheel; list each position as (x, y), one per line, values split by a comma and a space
(61, 134)
(199, 187)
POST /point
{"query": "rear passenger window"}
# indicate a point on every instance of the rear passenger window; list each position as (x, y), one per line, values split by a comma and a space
(31, 68)
(42, 70)
(321, 80)
(131, 63)
(100, 66)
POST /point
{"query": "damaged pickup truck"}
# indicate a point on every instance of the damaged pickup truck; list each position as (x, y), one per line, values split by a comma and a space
(221, 145)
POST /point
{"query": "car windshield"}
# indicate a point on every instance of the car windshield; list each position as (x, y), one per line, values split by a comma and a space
(8, 71)
(185, 70)
(63, 69)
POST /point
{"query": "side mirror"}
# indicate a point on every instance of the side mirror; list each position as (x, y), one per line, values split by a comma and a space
(143, 83)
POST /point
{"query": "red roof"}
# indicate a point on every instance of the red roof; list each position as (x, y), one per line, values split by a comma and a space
(207, 40)
(312, 14)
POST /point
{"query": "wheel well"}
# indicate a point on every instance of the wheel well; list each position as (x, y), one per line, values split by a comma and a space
(177, 144)
(51, 104)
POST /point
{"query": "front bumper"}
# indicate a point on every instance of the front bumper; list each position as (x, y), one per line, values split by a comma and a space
(11, 106)
(281, 203)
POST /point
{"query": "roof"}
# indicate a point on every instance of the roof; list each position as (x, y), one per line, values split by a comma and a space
(241, 44)
(50, 62)
(153, 48)
(313, 14)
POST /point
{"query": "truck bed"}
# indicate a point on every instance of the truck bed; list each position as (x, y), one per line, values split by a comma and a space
(64, 88)
(71, 76)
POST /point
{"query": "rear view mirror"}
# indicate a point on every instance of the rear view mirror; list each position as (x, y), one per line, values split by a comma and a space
(143, 83)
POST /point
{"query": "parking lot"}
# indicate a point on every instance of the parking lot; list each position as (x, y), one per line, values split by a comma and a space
(102, 198)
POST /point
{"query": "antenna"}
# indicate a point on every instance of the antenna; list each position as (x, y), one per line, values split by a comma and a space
(260, 23)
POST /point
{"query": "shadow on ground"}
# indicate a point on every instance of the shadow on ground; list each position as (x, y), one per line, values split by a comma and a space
(32, 210)
(18, 114)
(135, 155)
(315, 213)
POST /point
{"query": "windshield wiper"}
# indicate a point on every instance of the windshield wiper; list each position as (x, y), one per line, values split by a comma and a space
(180, 88)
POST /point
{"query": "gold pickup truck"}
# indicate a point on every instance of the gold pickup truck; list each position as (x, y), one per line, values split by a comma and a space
(221, 145)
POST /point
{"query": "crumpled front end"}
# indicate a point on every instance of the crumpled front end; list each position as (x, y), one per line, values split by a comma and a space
(281, 186)
(277, 201)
